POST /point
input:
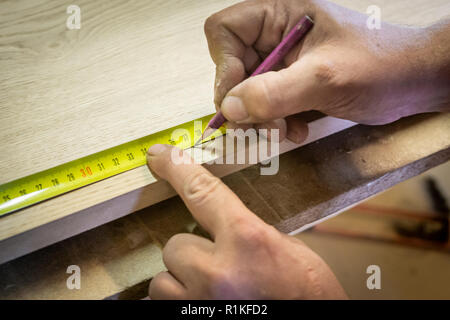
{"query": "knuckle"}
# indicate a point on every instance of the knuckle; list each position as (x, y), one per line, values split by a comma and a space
(211, 24)
(326, 73)
(239, 221)
(254, 235)
(173, 244)
(219, 281)
(219, 277)
(200, 187)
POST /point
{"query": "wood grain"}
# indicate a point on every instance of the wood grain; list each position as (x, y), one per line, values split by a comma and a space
(29, 229)
(134, 68)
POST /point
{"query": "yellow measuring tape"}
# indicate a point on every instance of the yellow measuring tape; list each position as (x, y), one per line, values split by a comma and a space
(72, 175)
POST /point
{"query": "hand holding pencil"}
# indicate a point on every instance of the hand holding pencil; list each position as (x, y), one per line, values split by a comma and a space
(341, 68)
(296, 34)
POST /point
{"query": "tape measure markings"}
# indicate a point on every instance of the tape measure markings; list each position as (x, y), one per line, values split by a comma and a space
(78, 173)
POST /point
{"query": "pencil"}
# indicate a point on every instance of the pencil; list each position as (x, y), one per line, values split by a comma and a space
(276, 56)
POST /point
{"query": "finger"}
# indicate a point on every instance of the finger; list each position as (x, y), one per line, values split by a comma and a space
(235, 126)
(232, 35)
(210, 201)
(266, 129)
(165, 286)
(185, 254)
(231, 71)
(297, 129)
(275, 95)
(291, 128)
(273, 130)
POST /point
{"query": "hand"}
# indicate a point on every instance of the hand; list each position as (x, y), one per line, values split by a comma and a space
(247, 258)
(342, 68)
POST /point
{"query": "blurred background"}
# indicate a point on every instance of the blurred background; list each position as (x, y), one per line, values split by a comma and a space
(405, 231)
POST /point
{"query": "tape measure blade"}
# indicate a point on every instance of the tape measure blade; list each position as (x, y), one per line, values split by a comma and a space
(21, 193)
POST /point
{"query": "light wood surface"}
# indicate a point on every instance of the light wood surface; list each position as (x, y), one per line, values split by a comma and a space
(29, 229)
(133, 68)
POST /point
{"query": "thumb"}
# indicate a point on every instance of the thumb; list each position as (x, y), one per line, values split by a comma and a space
(272, 95)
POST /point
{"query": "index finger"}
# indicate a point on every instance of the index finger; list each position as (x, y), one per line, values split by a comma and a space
(237, 36)
(211, 202)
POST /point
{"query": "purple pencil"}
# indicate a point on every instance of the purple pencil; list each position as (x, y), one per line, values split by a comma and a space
(275, 57)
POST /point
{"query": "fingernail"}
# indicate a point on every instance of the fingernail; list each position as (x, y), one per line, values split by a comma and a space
(296, 137)
(156, 149)
(233, 109)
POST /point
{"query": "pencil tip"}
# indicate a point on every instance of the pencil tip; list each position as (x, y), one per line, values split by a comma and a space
(208, 131)
(198, 141)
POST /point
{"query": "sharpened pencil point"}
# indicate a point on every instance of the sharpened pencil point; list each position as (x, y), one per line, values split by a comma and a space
(208, 131)
(198, 141)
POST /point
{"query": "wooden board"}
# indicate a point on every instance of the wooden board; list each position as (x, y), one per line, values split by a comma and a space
(314, 182)
(133, 68)
(28, 230)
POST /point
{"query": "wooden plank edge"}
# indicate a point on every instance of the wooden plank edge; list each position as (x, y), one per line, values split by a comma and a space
(23, 238)
(355, 196)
